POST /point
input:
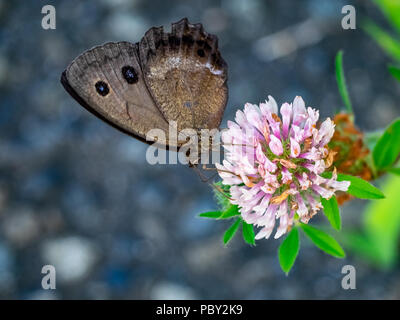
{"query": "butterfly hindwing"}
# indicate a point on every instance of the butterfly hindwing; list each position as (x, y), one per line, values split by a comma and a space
(185, 74)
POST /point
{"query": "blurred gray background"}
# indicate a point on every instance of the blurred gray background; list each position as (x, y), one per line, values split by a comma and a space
(77, 194)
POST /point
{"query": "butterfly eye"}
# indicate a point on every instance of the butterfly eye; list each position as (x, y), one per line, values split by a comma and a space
(130, 74)
(102, 88)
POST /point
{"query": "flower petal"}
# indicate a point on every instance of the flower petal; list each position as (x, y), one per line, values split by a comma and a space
(286, 112)
(283, 225)
(299, 111)
(294, 148)
(276, 146)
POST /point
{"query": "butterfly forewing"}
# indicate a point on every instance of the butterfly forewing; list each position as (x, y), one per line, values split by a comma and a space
(110, 82)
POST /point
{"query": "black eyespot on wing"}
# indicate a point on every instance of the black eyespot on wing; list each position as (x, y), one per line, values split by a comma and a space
(129, 74)
(102, 88)
(188, 39)
(200, 53)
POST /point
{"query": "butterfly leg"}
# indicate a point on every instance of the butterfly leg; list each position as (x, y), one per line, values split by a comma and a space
(205, 179)
(201, 175)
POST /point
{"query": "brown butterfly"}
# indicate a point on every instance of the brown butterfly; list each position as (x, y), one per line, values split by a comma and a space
(176, 76)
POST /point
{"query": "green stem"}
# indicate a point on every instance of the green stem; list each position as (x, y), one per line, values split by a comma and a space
(341, 82)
